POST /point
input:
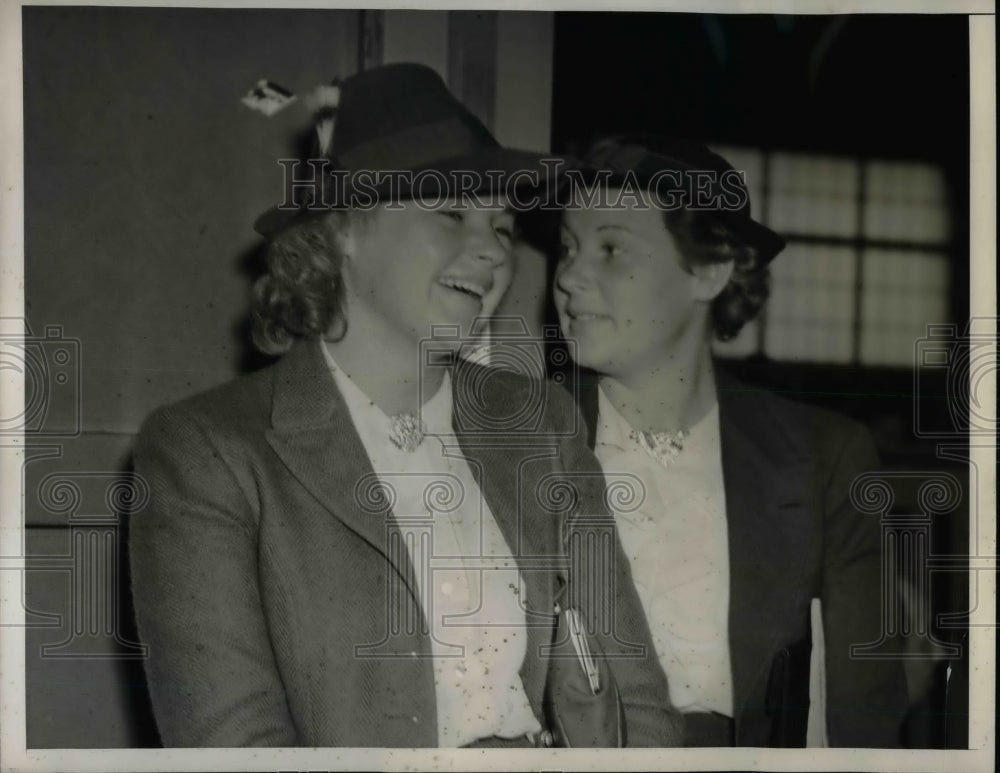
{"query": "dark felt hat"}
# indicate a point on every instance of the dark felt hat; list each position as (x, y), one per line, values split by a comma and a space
(399, 119)
(709, 181)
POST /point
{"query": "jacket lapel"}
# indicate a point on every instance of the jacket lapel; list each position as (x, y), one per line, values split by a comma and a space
(766, 482)
(312, 432)
(508, 482)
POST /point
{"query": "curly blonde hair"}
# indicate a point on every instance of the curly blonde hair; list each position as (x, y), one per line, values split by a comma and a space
(301, 293)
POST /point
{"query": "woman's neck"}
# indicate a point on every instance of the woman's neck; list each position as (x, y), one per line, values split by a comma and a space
(672, 392)
(387, 369)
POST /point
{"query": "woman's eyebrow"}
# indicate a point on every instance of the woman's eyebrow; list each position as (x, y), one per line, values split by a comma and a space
(613, 227)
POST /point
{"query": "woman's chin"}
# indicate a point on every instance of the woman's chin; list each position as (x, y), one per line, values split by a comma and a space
(587, 355)
(460, 320)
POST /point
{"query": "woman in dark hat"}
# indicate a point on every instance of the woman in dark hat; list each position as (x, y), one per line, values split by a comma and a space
(747, 515)
(350, 547)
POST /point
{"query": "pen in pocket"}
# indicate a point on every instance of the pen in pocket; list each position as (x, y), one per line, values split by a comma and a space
(578, 637)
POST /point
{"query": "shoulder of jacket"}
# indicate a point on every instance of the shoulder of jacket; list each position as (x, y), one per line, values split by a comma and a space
(800, 426)
(236, 405)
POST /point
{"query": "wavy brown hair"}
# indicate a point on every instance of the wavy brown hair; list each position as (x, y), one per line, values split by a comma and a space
(301, 293)
(704, 239)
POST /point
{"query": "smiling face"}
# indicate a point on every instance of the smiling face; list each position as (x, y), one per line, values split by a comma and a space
(410, 268)
(621, 290)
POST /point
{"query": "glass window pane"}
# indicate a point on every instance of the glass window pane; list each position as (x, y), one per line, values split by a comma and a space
(813, 195)
(810, 315)
(904, 181)
(902, 292)
(906, 202)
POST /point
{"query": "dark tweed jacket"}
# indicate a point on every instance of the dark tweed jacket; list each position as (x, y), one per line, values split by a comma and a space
(277, 603)
(794, 536)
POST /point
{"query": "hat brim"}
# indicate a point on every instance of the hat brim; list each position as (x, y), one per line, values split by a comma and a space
(754, 234)
(766, 242)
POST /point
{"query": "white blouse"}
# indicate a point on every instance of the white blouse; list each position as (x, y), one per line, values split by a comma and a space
(677, 544)
(467, 578)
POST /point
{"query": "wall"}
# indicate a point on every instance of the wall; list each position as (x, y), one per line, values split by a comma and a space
(143, 175)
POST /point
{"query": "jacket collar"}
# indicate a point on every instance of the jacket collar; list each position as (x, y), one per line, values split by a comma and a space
(313, 434)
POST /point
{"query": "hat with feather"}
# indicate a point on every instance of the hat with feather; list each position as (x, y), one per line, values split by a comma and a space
(399, 118)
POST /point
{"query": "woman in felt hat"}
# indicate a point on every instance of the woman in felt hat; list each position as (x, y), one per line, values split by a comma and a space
(747, 515)
(353, 547)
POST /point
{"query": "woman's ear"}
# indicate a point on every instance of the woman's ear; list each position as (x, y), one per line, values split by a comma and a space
(710, 278)
(346, 237)
(347, 244)
(352, 234)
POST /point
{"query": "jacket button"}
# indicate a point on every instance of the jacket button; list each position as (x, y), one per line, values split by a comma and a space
(416, 719)
(545, 739)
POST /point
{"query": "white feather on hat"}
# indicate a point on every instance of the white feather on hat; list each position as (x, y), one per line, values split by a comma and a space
(324, 101)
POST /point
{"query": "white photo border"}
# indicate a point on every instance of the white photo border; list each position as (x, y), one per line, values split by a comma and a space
(13, 753)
